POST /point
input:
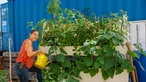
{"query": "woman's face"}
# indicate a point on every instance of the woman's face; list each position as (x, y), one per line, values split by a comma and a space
(34, 36)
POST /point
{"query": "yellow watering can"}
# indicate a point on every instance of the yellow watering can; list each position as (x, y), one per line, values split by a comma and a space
(42, 61)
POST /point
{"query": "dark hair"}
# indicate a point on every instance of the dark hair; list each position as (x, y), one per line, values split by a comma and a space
(32, 31)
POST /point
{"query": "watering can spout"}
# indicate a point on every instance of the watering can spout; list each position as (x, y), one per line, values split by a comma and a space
(48, 62)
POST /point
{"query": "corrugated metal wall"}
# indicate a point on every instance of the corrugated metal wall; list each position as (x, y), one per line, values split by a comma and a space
(4, 33)
(0, 31)
(23, 11)
(20, 13)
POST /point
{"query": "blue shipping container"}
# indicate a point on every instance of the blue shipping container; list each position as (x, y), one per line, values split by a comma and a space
(5, 35)
(0, 31)
(4, 17)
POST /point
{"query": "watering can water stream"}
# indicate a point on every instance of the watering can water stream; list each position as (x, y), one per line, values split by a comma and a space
(42, 61)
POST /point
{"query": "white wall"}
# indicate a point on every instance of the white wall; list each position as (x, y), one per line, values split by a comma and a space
(138, 33)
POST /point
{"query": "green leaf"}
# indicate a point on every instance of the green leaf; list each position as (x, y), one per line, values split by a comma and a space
(127, 65)
(91, 49)
(52, 50)
(82, 66)
(88, 61)
(101, 60)
(108, 50)
(119, 70)
(71, 79)
(60, 58)
(130, 68)
(63, 51)
(96, 65)
(75, 72)
(140, 49)
(133, 54)
(84, 48)
(98, 52)
(3, 76)
(109, 62)
(116, 41)
(107, 36)
(55, 69)
(111, 72)
(93, 72)
(104, 74)
(66, 63)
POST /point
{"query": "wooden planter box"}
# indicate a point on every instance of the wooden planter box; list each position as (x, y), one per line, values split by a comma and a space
(123, 77)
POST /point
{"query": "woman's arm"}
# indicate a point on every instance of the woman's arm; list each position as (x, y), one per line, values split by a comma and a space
(29, 49)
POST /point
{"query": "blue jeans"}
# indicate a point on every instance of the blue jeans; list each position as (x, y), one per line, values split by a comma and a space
(23, 74)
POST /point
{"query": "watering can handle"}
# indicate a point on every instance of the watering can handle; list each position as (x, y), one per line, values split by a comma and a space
(44, 53)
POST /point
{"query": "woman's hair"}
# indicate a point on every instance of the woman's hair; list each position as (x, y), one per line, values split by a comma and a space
(32, 31)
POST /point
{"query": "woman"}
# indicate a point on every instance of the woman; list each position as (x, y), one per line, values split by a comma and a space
(25, 60)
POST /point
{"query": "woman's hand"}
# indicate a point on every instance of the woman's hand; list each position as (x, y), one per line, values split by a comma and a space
(44, 53)
(39, 51)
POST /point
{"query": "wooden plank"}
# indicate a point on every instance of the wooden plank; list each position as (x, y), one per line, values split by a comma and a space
(6, 59)
(134, 73)
(32, 76)
(14, 54)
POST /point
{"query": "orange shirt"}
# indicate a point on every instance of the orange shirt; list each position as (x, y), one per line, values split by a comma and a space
(23, 57)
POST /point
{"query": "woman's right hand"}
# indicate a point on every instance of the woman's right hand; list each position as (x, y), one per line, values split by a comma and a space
(44, 53)
(39, 51)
